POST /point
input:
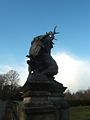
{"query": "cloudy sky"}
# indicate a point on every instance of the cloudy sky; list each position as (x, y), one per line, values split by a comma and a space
(21, 20)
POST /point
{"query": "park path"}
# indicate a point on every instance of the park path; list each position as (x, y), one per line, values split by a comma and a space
(2, 108)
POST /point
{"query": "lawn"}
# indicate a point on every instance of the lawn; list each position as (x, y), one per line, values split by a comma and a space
(80, 113)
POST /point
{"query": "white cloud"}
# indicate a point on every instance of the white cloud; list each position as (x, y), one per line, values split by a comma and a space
(5, 68)
(73, 73)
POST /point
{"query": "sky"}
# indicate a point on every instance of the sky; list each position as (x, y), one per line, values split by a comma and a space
(22, 20)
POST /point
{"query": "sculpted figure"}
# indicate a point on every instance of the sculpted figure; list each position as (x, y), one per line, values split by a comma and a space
(40, 57)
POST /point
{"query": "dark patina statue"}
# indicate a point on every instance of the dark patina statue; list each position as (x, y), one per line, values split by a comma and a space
(43, 95)
(41, 66)
(41, 61)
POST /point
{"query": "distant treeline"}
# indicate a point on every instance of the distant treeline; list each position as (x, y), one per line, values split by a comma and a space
(9, 84)
(80, 98)
(79, 103)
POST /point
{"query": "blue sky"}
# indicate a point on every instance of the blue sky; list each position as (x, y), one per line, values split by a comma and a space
(21, 20)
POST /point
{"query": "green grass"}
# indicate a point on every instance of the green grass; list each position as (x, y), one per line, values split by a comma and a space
(80, 113)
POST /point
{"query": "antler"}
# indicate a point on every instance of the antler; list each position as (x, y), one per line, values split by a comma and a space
(54, 32)
(49, 34)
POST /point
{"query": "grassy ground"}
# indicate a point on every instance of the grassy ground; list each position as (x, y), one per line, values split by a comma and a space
(80, 113)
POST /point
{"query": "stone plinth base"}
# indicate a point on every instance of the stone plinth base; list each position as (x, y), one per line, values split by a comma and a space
(44, 108)
(43, 99)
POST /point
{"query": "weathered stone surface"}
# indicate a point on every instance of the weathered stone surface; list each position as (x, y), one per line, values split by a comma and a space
(46, 108)
(45, 100)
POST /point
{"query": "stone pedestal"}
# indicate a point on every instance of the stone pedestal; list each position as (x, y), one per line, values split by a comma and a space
(44, 100)
(45, 109)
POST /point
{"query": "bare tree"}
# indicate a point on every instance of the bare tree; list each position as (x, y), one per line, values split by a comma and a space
(9, 84)
(12, 78)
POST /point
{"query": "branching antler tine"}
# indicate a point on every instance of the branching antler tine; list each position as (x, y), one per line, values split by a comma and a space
(54, 30)
(57, 32)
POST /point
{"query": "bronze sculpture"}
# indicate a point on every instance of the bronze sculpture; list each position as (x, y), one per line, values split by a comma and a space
(41, 61)
(43, 95)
